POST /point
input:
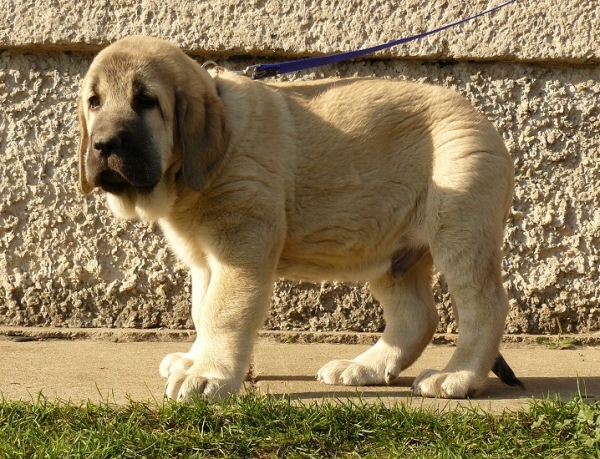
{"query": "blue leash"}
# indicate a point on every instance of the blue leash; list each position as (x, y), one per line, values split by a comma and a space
(256, 72)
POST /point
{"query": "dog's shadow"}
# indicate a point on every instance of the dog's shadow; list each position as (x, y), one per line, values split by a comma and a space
(544, 387)
(564, 388)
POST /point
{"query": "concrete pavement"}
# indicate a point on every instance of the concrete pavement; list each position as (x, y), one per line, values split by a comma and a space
(112, 371)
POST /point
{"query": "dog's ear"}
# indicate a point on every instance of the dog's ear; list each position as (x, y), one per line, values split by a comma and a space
(204, 135)
(84, 140)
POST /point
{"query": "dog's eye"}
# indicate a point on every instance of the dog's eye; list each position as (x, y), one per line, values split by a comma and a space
(94, 102)
(146, 101)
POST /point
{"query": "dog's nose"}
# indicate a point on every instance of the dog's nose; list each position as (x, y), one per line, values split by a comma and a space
(108, 144)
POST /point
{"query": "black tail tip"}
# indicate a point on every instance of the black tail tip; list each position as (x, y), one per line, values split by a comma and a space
(505, 373)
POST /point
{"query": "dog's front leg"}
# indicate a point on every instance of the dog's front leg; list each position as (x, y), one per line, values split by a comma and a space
(178, 362)
(229, 304)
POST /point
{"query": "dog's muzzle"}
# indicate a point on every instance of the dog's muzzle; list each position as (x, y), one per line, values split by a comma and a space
(120, 162)
(112, 181)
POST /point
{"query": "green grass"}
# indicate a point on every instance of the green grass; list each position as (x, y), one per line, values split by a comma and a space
(560, 343)
(268, 426)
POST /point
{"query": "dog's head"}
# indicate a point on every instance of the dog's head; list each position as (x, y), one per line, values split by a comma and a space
(148, 114)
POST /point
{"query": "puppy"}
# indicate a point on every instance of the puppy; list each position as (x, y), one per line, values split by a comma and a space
(354, 180)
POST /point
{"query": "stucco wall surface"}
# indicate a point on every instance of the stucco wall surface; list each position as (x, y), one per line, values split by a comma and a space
(528, 30)
(532, 69)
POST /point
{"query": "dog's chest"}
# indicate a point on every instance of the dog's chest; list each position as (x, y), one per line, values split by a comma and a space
(184, 247)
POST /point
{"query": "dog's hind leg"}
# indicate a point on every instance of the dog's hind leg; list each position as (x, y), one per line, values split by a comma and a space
(411, 319)
(482, 306)
(466, 214)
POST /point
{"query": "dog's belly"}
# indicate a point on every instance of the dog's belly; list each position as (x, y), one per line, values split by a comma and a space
(349, 228)
(343, 247)
(317, 271)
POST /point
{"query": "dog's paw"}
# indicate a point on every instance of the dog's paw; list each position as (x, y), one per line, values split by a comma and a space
(186, 380)
(177, 361)
(352, 373)
(439, 384)
(185, 386)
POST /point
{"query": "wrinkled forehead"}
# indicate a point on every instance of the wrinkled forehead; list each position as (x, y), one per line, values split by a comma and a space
(124, 74)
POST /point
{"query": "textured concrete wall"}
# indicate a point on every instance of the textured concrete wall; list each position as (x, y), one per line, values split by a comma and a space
(560, 30)
(532, 69)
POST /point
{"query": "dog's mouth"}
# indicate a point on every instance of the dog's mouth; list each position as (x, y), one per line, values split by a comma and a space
(112, 182)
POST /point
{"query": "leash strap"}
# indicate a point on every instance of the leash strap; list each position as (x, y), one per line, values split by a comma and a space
(259, 71)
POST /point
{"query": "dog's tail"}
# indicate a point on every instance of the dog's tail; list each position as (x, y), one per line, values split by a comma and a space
(505, 373)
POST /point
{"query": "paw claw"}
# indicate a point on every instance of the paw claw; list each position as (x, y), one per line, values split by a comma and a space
(390, 376)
